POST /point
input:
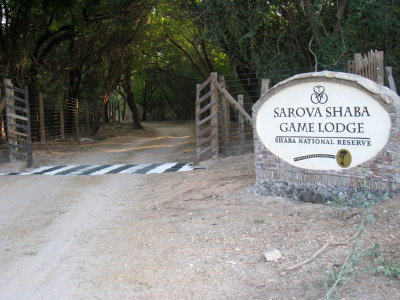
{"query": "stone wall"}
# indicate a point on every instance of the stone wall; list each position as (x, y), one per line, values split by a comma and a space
(381, 174)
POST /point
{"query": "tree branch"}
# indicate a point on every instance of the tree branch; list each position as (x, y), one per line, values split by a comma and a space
(66, 35)
(327, 244)
(47, 35)
(187, 55)
(310, 17)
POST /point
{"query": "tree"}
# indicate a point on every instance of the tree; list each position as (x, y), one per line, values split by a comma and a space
(154, 52)
(267, 37)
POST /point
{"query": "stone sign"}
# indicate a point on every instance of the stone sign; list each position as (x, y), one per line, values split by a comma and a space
(323, 126)
(329, 128)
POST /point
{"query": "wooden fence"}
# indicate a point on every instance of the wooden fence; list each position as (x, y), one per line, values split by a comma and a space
(59, 118)
(3, 138)
(221, 120)
(215, 106)
(370, 66)
(18, 122)
(207, 118)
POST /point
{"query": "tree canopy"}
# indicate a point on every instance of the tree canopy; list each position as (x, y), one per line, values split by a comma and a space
(150, 53)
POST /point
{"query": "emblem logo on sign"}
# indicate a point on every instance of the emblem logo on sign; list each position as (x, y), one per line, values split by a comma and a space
(343, 158)
(319, 96)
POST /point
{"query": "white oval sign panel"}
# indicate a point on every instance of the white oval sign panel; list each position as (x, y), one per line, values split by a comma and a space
(323, 126)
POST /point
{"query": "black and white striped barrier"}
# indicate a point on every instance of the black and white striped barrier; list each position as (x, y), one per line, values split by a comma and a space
(74, 170)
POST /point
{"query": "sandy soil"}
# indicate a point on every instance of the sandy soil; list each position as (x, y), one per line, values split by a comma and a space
(190, 235)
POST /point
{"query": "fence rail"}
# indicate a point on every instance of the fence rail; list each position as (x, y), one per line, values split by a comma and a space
(56, 118)
(369, 66)
(207, 118)
(223, 110)
(225, 101)
(18, 122)
(223, 121)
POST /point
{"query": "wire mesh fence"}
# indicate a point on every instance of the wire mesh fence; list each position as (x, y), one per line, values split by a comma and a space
(234, 131)
(55, 118)
(235, 134)
(4, 156)
(223, 115)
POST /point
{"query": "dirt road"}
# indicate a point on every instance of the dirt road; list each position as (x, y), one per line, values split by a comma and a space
(190, 235)
(52, 226)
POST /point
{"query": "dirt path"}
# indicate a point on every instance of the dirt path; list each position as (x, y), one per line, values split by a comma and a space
(51, 224)
(194, 235)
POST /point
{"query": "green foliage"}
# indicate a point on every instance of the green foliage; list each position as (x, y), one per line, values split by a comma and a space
(381, 264)
(254, 34)
(339, 204)
(388, 268)
(359, 255)
(85, 48)
(353, 265)
(264, 35)
(259, 221)
(337, 275)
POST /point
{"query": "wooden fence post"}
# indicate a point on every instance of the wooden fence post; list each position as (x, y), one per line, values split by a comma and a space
(197, 119)
(350, 66)
(214, 110)
(369, 66)
(87, 116)
(380, 70)
(241, 125)
(233, 102)
(16, 141)
(28, 127)
(358, 64)
(390, 78)
(264, 85)
(62, 129)
(3, 131)
(223, 118)
(41, 119)
(10, 120)
(2, 124)
(76, 119)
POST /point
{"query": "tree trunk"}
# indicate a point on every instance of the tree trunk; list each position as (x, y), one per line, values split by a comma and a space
(96, 123)
(310, 17)
(148, 93)
(131, 101)
(106, 114)
(341, 10)
(97, 120)
(145, 104)
(135, 113)
(124, 111)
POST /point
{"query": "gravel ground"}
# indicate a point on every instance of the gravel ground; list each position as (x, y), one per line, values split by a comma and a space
(190, 235)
